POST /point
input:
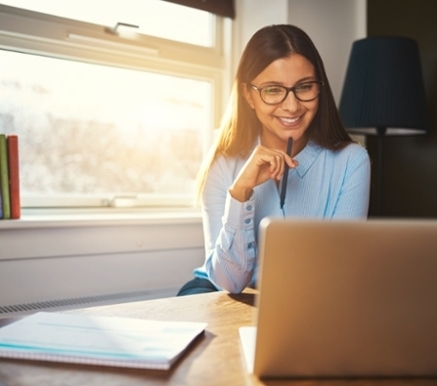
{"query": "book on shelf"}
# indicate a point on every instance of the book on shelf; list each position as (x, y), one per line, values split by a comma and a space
(10, 206)
(1, 199)
(98, 340)
(4, 178)
(14, 176)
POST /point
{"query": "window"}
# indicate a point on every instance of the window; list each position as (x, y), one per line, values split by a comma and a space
(109, 117)
(149, 17)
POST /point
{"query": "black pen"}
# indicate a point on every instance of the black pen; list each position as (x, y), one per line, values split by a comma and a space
(285, 175)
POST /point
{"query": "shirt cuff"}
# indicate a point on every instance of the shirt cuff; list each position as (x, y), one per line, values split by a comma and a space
(239, 215)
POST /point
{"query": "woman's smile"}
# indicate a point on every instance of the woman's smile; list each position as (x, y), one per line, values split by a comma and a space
(290, 121)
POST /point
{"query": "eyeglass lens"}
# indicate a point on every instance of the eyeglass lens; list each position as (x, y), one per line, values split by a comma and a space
(277, 94)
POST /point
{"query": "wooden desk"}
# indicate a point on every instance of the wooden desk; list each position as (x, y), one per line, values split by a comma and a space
(215, 359)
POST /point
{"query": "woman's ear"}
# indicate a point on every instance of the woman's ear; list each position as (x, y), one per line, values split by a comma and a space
(247, 96)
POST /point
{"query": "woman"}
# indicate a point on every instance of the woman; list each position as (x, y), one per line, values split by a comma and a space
(280, 91)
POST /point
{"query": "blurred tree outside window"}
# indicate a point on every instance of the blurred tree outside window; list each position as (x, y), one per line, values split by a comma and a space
(85, 128)
(92, 128)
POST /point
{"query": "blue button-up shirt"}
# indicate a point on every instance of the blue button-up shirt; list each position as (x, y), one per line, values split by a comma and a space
(325, 185)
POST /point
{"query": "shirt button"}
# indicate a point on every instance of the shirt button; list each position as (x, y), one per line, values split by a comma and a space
(249, 245)
(247, 221)
(249, 207)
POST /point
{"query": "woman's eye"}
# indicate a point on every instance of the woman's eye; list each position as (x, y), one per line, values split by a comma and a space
(273, 90)
(304, 87)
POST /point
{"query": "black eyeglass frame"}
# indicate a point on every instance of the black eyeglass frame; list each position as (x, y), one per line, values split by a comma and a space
(288, 89)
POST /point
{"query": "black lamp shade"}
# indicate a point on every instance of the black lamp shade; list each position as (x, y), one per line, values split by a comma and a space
(383, 88)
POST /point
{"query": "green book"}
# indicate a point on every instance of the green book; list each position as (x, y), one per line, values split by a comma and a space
(4, 178)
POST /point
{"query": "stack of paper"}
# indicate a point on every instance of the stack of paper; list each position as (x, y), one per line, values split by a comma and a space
(109, 341)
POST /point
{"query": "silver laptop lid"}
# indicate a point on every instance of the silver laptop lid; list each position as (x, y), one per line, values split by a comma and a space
(345, 299)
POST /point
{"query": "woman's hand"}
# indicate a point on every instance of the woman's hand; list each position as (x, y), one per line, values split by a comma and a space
(263, 164)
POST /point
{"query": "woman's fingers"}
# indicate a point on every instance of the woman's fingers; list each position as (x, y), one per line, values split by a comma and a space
(275, 159)
(292, 163)
(277, 169)
(262, 165)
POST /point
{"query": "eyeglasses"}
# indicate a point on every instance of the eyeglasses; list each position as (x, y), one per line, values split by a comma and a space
(274, 94)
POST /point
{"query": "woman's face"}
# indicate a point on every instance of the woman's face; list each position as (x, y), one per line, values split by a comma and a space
(290, 118)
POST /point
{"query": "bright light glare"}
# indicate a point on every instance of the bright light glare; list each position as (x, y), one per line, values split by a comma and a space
(86, 128)
(154, 17)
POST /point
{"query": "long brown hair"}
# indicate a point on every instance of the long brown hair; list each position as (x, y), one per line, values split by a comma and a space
(240, 127)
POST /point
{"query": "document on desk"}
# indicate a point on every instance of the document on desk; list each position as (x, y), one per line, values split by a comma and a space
(248, 340)
(98, 340)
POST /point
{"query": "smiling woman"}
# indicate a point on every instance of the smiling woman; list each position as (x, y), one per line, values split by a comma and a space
(105, 114)
(276, 101)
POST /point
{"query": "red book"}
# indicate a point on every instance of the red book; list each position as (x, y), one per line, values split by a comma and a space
(14, 176)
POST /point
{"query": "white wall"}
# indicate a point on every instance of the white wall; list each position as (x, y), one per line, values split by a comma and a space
(333, 25)
(50, 259)
(251, 16)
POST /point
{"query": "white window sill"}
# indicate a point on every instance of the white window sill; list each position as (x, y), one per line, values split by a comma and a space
(50, 218)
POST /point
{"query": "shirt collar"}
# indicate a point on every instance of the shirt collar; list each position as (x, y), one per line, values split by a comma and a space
(307, 157)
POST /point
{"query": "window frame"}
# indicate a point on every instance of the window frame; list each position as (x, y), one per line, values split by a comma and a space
(42, 34)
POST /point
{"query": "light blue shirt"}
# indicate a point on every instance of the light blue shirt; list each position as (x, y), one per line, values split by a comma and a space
(325, 185)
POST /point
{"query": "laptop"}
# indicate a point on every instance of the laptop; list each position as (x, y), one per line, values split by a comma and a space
(345, 299)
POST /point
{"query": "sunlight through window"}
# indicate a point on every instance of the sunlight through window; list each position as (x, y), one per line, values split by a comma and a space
(86, 128)
(153, 17)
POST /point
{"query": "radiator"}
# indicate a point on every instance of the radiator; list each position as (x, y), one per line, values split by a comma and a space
(83, 302)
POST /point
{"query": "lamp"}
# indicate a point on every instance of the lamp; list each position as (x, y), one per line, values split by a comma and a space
(383, 92)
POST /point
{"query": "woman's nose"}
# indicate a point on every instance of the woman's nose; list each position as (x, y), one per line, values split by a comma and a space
(290, 103)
